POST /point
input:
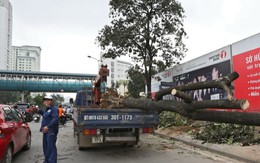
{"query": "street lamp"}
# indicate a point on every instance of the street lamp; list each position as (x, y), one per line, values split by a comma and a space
(96, 60)
(93, 58)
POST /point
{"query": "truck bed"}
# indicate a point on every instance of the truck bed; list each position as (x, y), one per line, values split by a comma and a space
(117, 118)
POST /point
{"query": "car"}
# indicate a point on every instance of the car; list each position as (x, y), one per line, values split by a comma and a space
(24, 109)
(15, 133)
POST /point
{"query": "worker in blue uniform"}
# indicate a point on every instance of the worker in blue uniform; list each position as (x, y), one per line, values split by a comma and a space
(49, 128)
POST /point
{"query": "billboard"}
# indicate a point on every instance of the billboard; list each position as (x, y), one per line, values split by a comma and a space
(205, 68)
(242, 56)
(208, 73)
(215, 57)
(246, 61)
(165, 76)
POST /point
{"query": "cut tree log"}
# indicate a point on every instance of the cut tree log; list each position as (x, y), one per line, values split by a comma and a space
(244, 118)
(198, 110)
(187, 98)
(182, 107)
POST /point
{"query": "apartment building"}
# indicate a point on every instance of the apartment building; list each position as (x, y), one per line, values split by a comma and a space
(6, 20)
(25, 58)
(118, 72)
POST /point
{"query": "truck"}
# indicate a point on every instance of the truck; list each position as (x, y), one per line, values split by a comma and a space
(98, 122)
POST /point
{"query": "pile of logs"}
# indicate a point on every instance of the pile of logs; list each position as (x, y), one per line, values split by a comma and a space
(199, 110)
(111, 99)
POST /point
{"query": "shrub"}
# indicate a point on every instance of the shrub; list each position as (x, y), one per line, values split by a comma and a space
(223, 133)
(168, 119)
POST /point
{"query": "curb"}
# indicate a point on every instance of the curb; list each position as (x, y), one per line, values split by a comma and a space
(203, 147)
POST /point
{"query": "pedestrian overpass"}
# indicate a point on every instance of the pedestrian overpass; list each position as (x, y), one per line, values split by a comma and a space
(44, 81)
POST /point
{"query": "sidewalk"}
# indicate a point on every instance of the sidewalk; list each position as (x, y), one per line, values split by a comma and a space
(249, 154)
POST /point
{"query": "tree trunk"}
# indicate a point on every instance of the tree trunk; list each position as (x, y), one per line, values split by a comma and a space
(182, 107)
(244, 118)
(198, 110)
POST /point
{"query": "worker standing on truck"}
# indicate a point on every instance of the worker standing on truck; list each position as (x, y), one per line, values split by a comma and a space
(49, 128)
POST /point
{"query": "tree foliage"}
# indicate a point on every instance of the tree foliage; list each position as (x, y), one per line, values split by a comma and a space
(136, 82)
(168, 119)
(58, 99)
(124, 83)
(8, 97)
(149, 31)
(38, 100)
(223, 133)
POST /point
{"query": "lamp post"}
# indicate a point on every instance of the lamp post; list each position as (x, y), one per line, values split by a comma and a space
(96, 60)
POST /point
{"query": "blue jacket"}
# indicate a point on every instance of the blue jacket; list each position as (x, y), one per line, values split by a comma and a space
(50, 119)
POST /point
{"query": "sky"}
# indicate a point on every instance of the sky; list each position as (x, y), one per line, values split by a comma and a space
(66, 30)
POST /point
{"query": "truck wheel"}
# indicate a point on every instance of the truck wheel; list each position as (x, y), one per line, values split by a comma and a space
(78, 138)
(75, 129)
(78, 141)
(129, 145)
(80, 148)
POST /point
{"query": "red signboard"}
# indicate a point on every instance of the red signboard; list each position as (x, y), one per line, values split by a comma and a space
(247, 86)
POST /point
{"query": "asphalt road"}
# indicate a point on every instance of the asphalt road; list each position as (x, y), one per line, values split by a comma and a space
(151, 149)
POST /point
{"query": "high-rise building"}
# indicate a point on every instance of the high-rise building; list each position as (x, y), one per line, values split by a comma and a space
(25, 58)
(6, 19)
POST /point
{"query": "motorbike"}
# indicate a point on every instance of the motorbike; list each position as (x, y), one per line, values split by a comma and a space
(63, 120)
(36, 117)
(69, 116)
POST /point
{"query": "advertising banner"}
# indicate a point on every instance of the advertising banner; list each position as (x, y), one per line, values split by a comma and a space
(247, 86)
(212, 58)
(165, 76)
(208, 73)
(205, 68)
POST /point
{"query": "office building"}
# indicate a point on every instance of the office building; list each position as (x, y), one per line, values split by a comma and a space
(6, 19)
(117, 73)
(25, 58)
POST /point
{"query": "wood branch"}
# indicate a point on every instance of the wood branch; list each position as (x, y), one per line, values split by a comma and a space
(196, 110)
(187, 98)
(222, 83)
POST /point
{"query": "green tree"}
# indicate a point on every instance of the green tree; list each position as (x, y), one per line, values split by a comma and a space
(136, 82)
(27, 97)
(124, 83)
(8, 97)
(117, 84)
(113, 85)
(58, 99)
(38, 100)
(149, 31)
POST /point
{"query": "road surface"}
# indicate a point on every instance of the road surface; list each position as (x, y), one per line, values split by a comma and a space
(151, 149)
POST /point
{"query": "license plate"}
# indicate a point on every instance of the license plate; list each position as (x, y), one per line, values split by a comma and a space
(97, 139)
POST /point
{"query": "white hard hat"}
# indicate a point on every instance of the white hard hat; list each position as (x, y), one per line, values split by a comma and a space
(48, 97)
